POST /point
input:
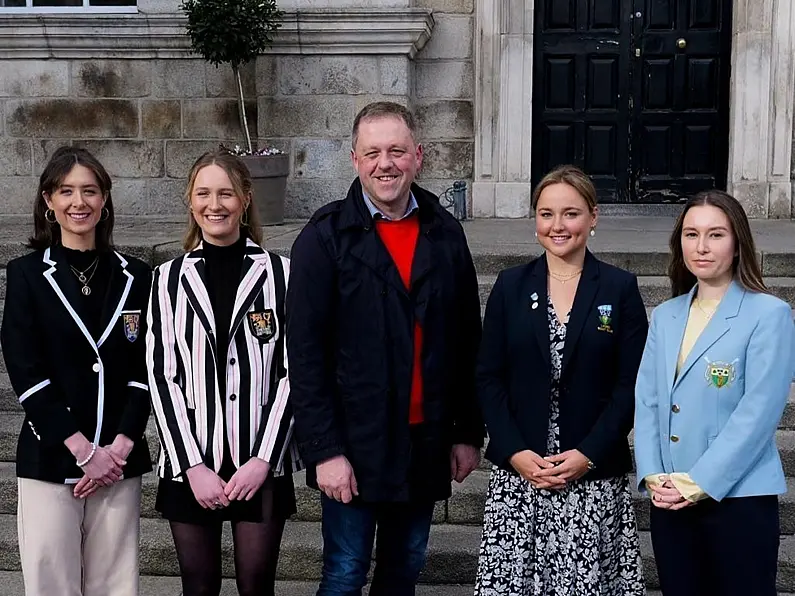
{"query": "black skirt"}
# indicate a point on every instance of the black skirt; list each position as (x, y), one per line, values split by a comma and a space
(274, 500)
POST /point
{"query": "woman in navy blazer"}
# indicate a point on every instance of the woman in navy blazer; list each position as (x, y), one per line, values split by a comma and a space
(712, 386)
(562, 341)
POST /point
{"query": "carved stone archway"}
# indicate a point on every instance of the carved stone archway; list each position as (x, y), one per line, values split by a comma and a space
(761, 107)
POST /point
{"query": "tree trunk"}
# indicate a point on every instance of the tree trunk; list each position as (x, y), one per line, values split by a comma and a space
(242, 108)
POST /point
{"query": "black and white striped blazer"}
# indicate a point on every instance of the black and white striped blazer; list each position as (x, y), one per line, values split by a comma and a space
(180, 354)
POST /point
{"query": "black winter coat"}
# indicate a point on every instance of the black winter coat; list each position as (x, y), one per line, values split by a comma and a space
(350, 324)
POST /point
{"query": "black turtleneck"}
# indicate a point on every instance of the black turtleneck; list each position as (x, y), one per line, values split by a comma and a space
(90, 307)
(223, 265)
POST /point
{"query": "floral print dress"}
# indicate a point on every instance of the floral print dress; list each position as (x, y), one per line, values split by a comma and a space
(578, 541)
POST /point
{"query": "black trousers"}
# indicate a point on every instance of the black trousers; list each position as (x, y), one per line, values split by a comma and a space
(727, 548)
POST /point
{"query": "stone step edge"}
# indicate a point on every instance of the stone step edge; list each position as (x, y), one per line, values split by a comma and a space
(151, 585)
(452, 553)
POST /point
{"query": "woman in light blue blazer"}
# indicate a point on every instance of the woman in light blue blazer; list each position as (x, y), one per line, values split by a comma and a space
(712, 386)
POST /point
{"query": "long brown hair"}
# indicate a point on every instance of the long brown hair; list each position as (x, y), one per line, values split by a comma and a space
(63, 160)
(241, 183)
(745, 268)
(572, 176)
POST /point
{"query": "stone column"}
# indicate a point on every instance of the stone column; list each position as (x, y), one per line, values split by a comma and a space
(761, 98)
(503, 112)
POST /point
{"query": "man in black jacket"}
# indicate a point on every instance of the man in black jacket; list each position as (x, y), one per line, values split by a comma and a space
(383, 326)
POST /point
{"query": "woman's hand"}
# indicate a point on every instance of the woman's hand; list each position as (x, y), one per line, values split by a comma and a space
(528, 464)
(207, 487)
(666, 496)
(568, 466)
(121, 446)
(105, 467)
(247, 480)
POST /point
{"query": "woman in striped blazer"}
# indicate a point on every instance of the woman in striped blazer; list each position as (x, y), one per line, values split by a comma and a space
(217, 365)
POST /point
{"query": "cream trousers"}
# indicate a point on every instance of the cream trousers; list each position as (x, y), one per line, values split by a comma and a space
(79, 547)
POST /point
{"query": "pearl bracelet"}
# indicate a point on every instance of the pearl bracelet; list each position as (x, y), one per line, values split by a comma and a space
(80, 464)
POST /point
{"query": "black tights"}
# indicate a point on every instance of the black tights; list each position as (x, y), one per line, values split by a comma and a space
(256, 554)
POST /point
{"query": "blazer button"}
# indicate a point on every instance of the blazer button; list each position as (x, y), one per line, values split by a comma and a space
(232, 397)
(675, 409)
(95, 368)
(232, 361)
(674, 439)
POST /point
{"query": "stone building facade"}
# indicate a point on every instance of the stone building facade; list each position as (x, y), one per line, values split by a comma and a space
(126, 87)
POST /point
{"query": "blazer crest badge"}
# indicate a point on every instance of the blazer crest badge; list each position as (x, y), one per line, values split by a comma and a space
(262, 324)
(720, 374)
(131, 322)
(605, 318)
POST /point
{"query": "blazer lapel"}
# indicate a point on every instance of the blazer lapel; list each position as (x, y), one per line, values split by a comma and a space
(533, 306)
(194, 281)
(673, 335)
(252, 280)
(716, 328)
(57, 275)
(120, 283)
(582, 308)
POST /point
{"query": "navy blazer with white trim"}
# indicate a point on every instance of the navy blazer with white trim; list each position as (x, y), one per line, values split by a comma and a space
(66, 380)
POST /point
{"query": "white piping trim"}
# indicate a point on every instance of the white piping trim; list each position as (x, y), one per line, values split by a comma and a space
(138, 385)
(101, 373)
(34, 389)
(119, 306)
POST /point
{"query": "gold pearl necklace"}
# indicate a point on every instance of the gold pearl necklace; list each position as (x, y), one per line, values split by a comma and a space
(564, 278)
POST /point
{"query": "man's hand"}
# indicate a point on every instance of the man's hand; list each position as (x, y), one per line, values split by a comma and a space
(528, 464)
(247, 480)
(335, 478)
(568, 466)
(463, 460)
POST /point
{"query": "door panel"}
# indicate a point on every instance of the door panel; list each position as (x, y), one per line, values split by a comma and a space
(635, 92)
(582, 65)
(684, 52)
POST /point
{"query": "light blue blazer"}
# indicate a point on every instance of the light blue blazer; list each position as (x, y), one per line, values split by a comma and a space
(717, 420)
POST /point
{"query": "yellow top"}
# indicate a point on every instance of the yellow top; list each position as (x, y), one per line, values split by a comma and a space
(701, 312)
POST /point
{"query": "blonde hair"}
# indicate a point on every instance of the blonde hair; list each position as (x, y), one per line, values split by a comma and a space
(240, 178)
(571, 176)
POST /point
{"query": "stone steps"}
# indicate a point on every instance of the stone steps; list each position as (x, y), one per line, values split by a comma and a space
(11, 585)
(452, 553)
(465, 507)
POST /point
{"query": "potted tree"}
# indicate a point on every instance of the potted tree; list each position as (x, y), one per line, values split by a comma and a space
(234, 33)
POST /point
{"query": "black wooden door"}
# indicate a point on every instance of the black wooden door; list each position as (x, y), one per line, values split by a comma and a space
(635, 92)
(680, 111)
(581, 85)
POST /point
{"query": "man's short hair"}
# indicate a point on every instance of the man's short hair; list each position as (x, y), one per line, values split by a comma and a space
(380, 109)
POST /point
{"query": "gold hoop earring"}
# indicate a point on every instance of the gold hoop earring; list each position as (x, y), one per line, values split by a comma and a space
(48, 214)
(104, 214)
(244, 218)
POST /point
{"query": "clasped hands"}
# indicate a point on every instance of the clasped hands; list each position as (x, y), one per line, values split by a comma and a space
(551, 472)
(211, 492)
(665, 495)
(104, 467)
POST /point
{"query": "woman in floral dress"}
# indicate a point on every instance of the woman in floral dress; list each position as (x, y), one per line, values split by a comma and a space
(562, 341)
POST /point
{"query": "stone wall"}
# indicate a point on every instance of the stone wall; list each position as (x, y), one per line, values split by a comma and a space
(146, 120)
(126, 88)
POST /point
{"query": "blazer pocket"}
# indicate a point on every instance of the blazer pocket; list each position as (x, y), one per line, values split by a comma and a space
(263, 325)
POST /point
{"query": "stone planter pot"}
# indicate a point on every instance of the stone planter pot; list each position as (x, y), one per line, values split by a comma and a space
(269, 174)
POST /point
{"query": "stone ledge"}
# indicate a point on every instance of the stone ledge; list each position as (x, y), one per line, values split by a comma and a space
(350, 31)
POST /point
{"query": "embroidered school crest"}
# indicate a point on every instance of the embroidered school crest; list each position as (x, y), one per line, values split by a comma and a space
(131, 325)
(720, 374)
(605, 317)
(262, 324)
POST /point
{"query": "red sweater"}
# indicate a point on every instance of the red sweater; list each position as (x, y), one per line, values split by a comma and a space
(400, 239)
